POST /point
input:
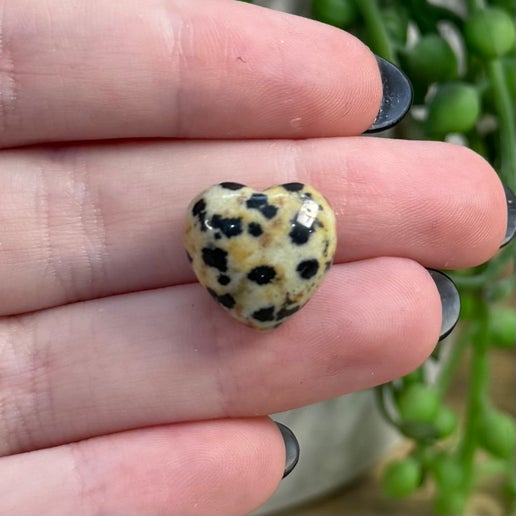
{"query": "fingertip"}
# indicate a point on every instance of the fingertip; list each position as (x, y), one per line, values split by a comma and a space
(288, 77)
(483, 208)
(419, 310)
(235, 467)
(387, 322)
(345, 97)
(229, 466)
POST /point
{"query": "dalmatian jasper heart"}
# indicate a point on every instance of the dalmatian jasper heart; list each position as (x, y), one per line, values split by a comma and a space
(261, 255)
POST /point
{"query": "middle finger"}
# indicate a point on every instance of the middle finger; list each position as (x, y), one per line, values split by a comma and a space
(81, 222)
(172, 354)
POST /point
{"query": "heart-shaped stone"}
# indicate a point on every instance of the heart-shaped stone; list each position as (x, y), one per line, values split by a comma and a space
(261, 255)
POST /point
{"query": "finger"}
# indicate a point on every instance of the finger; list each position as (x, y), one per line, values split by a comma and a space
(172, 354)
(214, 467)
(179, 69)
(82, 222)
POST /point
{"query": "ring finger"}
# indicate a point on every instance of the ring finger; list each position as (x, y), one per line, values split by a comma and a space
(172, 355)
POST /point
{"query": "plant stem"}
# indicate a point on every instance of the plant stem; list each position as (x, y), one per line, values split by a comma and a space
(477, 393)
(380, 394)
(449, 367)
(512, 482)
(379, 39)
(473, 5)
(503, 106)
(490, 272)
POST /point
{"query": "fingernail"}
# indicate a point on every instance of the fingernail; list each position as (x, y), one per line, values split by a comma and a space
(450, 301)
(291, 447)
(511, 215)
(397, 97)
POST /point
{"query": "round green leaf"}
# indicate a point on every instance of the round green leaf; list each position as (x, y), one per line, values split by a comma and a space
(502, 327)
(401, 477)
(340, 13)
(490, 32)
(454, 108)
(430, 60)
(497, 433)
(418, 403)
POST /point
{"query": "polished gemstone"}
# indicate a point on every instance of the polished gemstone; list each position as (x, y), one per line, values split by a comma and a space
(260, 255)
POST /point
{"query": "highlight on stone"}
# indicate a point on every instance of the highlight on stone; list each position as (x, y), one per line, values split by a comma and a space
(261, 255)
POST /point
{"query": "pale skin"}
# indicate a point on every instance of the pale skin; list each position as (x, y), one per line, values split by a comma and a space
(123, 387)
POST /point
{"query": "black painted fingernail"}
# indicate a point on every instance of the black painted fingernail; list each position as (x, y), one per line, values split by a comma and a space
(397, 96)
(291, 447)
(450, 301)
(511, 215)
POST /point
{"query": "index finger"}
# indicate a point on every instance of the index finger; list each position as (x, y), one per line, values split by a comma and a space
(89, 70)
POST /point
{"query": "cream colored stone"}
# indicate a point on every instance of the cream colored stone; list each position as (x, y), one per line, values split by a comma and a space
(261, 255)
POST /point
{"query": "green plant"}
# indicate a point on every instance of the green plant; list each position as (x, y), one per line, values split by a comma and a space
(454, 100)
(402, 477)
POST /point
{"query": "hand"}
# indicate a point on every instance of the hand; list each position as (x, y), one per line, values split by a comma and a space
(123, 387)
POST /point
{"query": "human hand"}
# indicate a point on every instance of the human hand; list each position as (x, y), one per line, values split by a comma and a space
(123, 387)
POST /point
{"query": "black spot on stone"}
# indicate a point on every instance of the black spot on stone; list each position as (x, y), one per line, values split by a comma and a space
(293, 187)
(199, 206)
(255, 229)
(199, 211)
(259, 201)
(223, 279)
(216, 258)
(325, 249)
(327, 265)
(229, 227)
(189, 257)
(264, 314)
(308, 268)
(231, 186)
(262, 274)
(226, 300)
(299, 234)
(269, 211)
(217, 236)
(286, 312)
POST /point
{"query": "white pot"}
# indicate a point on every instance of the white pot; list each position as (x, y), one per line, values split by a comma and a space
(339, 440)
